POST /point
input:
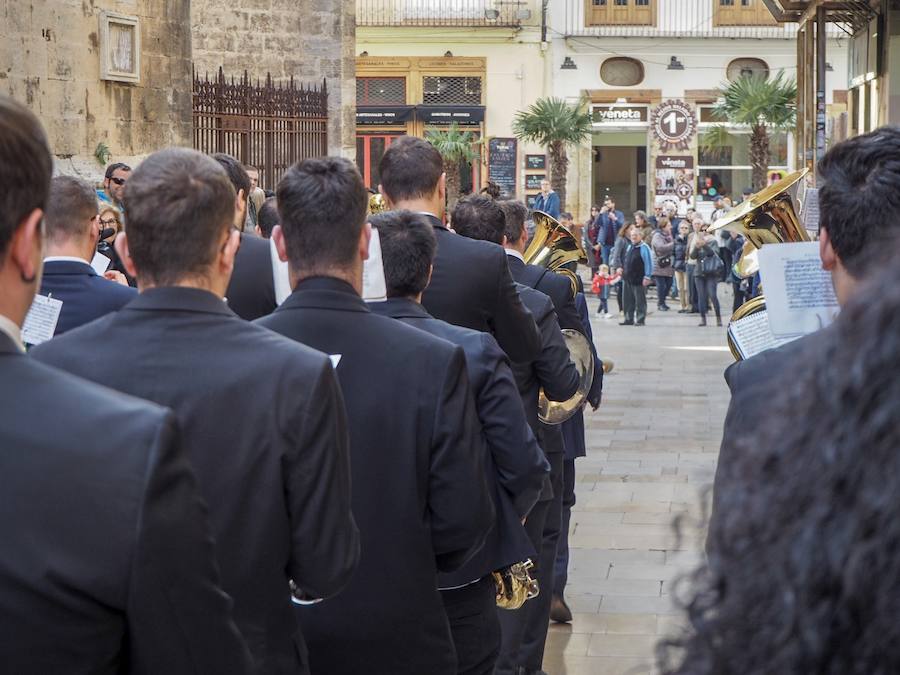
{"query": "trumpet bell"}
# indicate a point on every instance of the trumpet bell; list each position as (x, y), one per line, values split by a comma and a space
(557, 412)
(376, 204)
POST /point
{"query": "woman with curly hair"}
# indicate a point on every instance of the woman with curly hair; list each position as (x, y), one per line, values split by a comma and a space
(803, 575)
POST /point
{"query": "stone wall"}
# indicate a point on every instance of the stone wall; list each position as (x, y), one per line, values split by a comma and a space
(49, 59)
(307, 39)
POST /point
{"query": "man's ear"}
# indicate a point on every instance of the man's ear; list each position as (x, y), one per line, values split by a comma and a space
(365, 236)
(826, 251)
(387, 202)
(121, 246)
(95, 229)
(229, 250)
(258, 231)
(442, 188)
(27, 247)
(430, 272)
(280, 243)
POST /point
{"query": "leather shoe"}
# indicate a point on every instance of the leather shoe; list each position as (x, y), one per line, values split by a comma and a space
(559, 610)
(639, 323)
(626, 323)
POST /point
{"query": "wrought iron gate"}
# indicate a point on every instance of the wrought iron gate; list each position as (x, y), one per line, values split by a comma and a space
(269, 126)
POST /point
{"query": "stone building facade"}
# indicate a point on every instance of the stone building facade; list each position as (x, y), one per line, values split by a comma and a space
(50, 58)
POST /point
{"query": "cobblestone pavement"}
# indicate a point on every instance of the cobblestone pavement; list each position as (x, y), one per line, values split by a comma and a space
(652, 449)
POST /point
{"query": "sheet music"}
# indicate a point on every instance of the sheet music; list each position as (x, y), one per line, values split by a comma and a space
(40, 322)
(753, 334)
(100, 263)
(374, 286)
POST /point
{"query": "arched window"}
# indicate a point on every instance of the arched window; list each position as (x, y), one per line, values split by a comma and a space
(746, 66)
(621, 71)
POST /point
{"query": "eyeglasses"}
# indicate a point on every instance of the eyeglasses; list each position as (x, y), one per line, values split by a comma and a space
(118, 181)
(108, 222)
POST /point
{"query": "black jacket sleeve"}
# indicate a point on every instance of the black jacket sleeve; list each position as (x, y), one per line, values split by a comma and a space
(518, 458)
(178, 616)
(555, 371)
(459, 503)
(324, 536)
(511, 323)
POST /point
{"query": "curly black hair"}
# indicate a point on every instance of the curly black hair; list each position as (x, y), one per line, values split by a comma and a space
(803, 574)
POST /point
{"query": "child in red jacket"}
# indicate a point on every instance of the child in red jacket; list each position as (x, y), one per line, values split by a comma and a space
(603, 281)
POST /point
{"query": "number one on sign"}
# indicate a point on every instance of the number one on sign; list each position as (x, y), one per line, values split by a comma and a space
(672, 120)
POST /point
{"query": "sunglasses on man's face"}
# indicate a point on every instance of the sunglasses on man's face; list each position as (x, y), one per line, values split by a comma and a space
(118, 181)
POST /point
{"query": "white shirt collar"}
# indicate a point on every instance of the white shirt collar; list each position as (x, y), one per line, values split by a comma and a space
(12, 329)
(515, 254)
(65, 258)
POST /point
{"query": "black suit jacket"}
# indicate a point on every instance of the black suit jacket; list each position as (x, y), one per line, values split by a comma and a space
(753, 383)
(251, 291)
(107, 564)
(514, 464)
(266, 433)
(553, 285)
(85, 294)
(419, 490)
(471, 286)
(552, 370)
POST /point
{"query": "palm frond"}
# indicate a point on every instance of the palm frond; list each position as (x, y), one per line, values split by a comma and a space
(550, 120)
(754, 100)
(454, 144)
(715, 139)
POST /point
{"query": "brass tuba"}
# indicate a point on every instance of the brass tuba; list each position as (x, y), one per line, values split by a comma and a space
(767, 217)
(554, 247)
(376, 203)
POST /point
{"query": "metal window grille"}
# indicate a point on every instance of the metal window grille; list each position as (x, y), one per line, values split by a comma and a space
(269, 126)
(439, 90)
(440, 13)
(380, 90)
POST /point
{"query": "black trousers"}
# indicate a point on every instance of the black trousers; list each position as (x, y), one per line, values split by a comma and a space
(635, 302)
(706, 292)
(524, 631)
(472, 612)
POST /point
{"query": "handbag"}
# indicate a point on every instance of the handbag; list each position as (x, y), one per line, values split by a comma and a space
(711, 265)
(665, 261)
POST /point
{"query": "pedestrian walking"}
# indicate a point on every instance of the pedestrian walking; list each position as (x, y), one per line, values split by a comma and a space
(708, 273)
(638, 270)
(679, 264)
(662, 246)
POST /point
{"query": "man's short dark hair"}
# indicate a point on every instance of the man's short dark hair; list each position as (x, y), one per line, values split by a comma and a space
(267, 218)
(322, 204)
(565, 215)
(410, 169)
(115, 166)
(859, 197)
(514, 213)
(407, 248)
(479, 217)
(179, 203)
(25, 167)
(236, 174)
(71, 205)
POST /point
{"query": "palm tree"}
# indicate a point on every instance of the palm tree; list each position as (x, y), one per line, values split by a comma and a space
(766, 105)
(456, 147)
(554, 124)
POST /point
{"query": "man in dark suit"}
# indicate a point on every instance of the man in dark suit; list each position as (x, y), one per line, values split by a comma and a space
(419, 490)
(514, 462)
(71, 230)
(107, 564)
(859, 199)
(267, 435)
(471, 285)
(251, 290)
(525, 631)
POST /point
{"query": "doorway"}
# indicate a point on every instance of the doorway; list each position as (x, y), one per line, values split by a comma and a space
(620, 172)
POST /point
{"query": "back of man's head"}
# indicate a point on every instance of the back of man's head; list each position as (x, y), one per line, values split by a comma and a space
(71, 206)
(479, 217)
(322, 203)
(859, 197)
(180, 208)
(236, 172)
(514, 213)
(25, 167)
(410, 169)
(407, 248)
(267, 218)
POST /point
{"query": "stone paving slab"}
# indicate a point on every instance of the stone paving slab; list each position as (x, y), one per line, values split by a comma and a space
(652, 450)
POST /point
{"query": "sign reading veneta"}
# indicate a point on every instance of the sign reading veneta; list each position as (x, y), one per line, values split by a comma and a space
(609, 115)
(673, 124)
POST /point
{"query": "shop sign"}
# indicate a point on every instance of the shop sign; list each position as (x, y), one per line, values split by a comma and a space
(447, 114)
(396, 114)
(536, 162)
(502, 164)
(673, 124)
(675, 180)
(669, 162)
(618, 115)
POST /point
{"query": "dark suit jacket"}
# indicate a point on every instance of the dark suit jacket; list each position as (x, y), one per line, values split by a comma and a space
(266, 433)
(552, 370)
(514, 464)
(551, 284)
(85, 294)
(419, 490)
(251, 292)
(573, 428)
(471, 287)
(753, 383)
(107, 564)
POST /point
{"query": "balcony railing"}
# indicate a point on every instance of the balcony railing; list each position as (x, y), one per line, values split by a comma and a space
(453, 13)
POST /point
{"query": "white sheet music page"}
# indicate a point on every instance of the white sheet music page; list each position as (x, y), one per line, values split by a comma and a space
(100, 263)
(752, 335)
(40, 322)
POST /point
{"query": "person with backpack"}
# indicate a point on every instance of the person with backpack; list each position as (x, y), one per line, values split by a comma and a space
(637, 272)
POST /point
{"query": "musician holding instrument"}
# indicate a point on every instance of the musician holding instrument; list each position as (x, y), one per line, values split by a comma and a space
(859, 203)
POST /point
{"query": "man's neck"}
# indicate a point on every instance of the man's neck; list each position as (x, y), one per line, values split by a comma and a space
(68, 249)
(424, 205)
(351, 276)
(215, 286)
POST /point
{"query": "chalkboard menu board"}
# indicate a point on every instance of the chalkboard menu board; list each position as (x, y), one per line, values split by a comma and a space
(536, 162)
(502, 164)
(533, 181)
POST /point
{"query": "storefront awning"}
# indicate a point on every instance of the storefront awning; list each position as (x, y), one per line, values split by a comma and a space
(384, 114)
(447, 114)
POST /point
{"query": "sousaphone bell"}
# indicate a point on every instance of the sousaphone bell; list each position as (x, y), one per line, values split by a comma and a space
(555, 248)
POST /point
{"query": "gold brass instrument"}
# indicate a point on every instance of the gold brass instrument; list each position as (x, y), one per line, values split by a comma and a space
(515, 585)
(767, 217)
(376, 203)
(554, 247)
